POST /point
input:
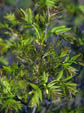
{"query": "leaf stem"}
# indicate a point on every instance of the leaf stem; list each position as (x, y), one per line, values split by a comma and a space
(34, 109)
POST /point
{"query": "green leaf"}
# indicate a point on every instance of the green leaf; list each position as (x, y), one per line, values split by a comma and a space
(71, 70)
(60, 75)
(37, 17)
(37, 89)
(81, 63)
(71, 84)
(45, 77)
(67, 58)
(60, 29)
(81, 7)
(73, 90)
(29, 16)
(67, 78)
(7, 69)
(50, 3)
(42, 19)
(66, 65)
(51, 84)
(20, 15)
(64, 52)
(3, 60)
(55, 87)
(36, 28)
(34, 86)
(75, 57)
(10, 17)
(12, 104)
(35, 100)
(46, 3)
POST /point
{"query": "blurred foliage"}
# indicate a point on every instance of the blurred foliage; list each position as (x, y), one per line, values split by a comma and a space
(19, 3)
(44, 68)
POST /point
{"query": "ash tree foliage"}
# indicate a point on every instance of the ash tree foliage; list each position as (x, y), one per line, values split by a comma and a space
(43, 67)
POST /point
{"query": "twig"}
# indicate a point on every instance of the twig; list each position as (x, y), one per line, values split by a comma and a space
(34, 109)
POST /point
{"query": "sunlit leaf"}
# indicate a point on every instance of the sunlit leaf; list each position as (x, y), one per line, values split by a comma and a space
(60, 75)
(60, 29)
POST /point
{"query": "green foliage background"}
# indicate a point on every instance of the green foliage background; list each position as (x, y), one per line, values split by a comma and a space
(20, 3)
(46, 58)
